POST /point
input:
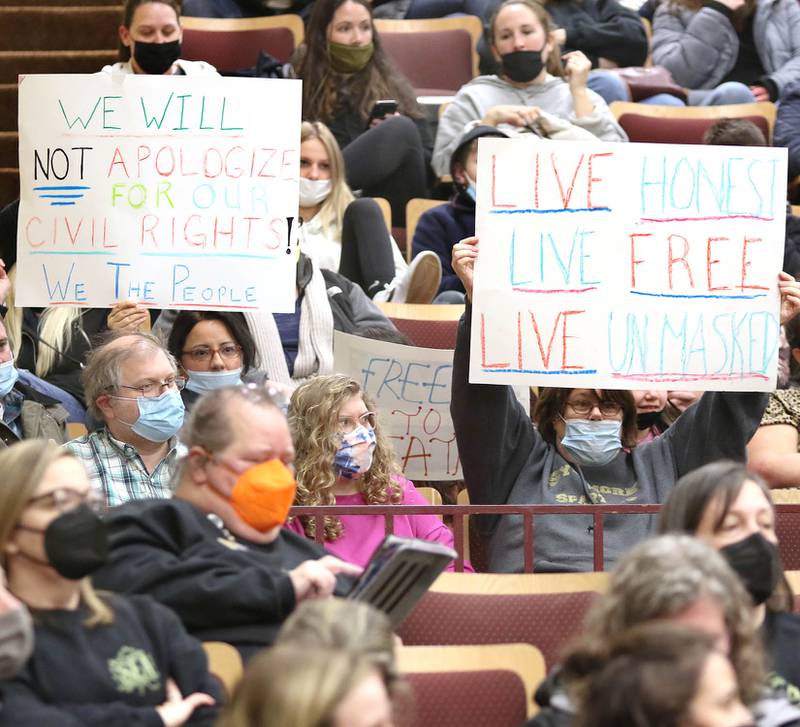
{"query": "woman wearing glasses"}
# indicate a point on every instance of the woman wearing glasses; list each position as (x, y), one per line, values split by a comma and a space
(582, 450)
(213, 349)
(98, 659)
(343, 458)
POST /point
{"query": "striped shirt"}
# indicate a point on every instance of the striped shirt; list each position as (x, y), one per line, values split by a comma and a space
(116, 470)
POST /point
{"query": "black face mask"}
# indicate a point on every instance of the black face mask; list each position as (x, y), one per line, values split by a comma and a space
(647, 419)
(522, 65)
(156, 58)
(757, 564)
(76, 543)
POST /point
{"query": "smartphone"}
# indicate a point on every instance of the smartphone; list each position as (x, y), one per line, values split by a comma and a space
(381, 110)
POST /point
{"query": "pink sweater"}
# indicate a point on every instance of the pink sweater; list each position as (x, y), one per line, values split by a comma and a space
(363, 534)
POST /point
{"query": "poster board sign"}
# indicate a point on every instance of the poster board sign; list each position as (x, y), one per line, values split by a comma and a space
(177, 192)
(411, 390)
(628, 266)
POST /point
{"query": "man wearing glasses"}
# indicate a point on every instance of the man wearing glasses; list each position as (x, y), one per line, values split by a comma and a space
(132, 387)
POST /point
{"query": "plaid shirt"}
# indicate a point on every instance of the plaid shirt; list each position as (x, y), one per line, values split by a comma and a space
(117, 471)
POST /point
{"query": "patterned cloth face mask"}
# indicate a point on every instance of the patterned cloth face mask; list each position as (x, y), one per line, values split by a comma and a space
(354, 456)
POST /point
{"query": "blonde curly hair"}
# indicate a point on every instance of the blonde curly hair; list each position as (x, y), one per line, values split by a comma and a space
(314, 423)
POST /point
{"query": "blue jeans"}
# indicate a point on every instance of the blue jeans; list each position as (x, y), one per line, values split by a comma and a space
(726, 93)
(612, 88)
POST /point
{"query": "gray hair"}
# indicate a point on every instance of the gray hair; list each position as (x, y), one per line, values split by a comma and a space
(102, 374)
(209, 425)
(665, 575)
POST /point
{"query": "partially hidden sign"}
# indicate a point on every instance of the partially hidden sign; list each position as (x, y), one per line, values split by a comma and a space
(411, 390)
(628, 266)
(178, 192)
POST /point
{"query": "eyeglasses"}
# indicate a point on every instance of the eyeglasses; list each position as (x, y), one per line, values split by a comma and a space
(349, 424)
(608, 409)
(156, 388)
(203, 354)
(64, 498)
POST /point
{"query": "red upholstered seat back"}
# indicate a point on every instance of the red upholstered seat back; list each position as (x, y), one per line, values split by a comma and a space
(455, 699)
(546, 620)
(437, 63)
(787, 528)
(675, 131)
(428, 334)
(236, 50)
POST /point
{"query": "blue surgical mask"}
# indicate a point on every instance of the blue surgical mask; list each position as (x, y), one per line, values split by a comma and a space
(160, 417)
(202, 381)
(592, 443)
(8, 377)
(471, 190)
(354, 456)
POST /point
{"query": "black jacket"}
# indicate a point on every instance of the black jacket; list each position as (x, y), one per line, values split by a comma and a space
(115, 674)
(601, 29)
(221, 587)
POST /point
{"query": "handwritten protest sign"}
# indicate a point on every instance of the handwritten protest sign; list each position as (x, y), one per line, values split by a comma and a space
(178, 192)
(411, 390)
(628, 265)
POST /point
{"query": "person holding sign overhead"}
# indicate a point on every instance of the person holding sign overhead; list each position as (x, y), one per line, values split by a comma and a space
(150, 41)
(582, 450)
(533, 92)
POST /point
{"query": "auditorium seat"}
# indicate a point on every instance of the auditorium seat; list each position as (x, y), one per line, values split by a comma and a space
(225, 663)
(546, 620)
(428, 334)
(234, 44)
(414, 210)
(418, 48)
(686, 125)
(490, 686)
(787, 528)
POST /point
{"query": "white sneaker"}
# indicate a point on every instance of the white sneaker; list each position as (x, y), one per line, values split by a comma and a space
(421, 281)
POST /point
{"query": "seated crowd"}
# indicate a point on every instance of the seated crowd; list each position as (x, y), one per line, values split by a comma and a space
(168, 522)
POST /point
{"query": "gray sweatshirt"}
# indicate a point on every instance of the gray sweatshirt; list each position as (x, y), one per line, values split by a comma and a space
(481, 94)
(506, 461)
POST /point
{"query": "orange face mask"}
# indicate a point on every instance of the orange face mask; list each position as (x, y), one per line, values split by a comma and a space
(263, 495)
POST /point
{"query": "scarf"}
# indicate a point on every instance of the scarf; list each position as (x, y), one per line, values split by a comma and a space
(315, 347)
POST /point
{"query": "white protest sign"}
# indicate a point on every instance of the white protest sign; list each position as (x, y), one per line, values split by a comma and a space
(411, 390)
(628, 266)
(178, 192)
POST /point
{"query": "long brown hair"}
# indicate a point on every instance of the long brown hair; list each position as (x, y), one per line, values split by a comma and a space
(716, 484)
(326, 92)
(664, 576)
(553, 65)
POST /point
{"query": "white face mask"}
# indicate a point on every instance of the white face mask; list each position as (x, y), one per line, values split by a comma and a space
(314, 191)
